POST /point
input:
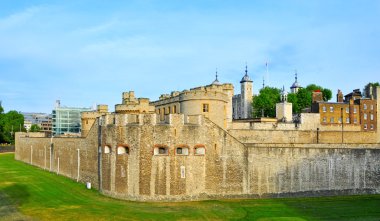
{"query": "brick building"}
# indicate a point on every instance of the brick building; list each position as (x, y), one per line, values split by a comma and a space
(354, 110)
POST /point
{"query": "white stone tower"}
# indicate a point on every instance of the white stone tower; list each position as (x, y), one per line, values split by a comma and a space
(284, 110)
(246, 86)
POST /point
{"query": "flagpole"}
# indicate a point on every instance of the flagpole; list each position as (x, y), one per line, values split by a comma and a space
(267, 76)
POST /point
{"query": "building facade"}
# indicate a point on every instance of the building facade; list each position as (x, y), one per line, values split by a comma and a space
(353, 110)
(44, 121)
(67, 120)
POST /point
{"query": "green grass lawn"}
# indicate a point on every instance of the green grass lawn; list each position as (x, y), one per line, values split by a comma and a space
(29, 193)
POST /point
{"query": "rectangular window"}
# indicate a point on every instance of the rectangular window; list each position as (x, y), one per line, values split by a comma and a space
(365, 116)
(347, 110)
(365, 126)
(371, 126)
(161, 150)
(175, 109)
(347, 120)
(332, 120)
(355, 121)
(339, 120)
(179, 150)
(371, 106)
(365, 106)
(324, 119)
(205, 108)
(354, 110)
(200, 151)
(324, 108)
(169, 110)
(371, 116)
(331, 109)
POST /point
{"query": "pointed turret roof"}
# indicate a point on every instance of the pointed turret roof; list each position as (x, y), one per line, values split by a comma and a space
(216, 81)
(295, 84)
(246, 78)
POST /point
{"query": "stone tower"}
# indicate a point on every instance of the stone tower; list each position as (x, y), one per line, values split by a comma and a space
(284, 112)
(246, 86)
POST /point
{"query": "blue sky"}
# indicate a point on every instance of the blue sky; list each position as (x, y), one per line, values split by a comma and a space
(86, 52)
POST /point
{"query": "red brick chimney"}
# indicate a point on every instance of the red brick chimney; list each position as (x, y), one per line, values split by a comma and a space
(317, 96)
(339, 96)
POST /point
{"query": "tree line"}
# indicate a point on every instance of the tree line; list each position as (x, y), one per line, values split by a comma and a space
(264, 104)
(10, 122)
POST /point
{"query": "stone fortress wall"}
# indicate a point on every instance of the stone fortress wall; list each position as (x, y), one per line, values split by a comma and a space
(185, 146)
(235, 163)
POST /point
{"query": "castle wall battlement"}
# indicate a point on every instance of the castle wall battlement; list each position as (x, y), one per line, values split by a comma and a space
(142, 161)
(150, 119)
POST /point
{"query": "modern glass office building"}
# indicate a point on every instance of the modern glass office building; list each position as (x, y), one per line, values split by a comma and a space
(67, 120)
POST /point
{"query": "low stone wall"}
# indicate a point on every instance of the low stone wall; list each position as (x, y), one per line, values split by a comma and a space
(309, 171)
(4, 149)
(274, 136)
(75, 158)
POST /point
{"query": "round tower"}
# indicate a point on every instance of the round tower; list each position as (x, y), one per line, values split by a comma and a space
(246, 86)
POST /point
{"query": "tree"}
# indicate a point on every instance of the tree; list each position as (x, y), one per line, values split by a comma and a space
(34, 128)
(369, 89)
(292, 98)
(327, 94)
(9, 124)
(265, 102)
(374, 84)
(303, 98)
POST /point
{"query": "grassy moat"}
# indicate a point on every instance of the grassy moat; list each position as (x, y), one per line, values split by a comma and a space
(29, 193)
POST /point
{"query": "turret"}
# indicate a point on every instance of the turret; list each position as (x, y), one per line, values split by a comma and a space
(295, 86)
(246, 86)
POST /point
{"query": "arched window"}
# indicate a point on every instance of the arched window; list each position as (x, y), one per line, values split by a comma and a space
(160, 150)
(199, 149)
(107, 149)
(122, 150)
(182, 150)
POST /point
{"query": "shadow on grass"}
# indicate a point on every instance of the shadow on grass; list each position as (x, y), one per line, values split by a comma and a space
(17, 193)
(12, 197)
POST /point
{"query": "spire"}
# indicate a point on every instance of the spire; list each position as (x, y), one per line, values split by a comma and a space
(295, 86)
(246, 78)
(284, 95)
(216, 81)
